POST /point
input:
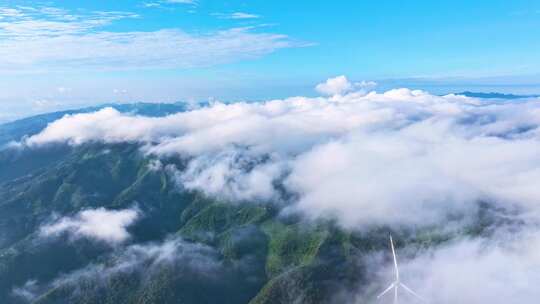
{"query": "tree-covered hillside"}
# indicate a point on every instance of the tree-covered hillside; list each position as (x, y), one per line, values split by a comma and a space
(258, 253)
(249, 251)
(113, 223)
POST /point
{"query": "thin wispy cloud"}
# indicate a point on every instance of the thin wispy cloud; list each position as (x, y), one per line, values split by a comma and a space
(29, 22)
(169, 3)
(341, 85)
(151, 4)
(53, 39)
(139, 261)
(181, 1)
(237, 16)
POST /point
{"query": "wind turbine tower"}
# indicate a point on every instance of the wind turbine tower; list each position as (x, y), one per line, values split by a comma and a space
(397, 283)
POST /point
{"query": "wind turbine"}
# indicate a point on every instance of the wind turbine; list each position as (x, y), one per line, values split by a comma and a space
(397, 283)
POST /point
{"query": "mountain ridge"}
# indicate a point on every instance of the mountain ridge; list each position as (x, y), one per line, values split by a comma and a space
(261, 256)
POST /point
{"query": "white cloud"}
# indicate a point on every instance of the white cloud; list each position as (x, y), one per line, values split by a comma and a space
(237, 15)
(53, 39)
(100, 224)
(155, 165)
(478, 271)
(340, 85)
(169, 3)
(63, 90)
(31, 23)
(44, 104)
(335, 86)
(231, 175)
(140, 50)
(151, 4)
(414, 176)
(240, 15)
(7, 12)
(120, 91)
(141, 257)
(401, 157)
(365, 84)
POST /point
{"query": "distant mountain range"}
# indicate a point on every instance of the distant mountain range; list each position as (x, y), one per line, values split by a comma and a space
(494, 95)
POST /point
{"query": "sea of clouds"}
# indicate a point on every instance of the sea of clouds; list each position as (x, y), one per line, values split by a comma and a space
(401, 158)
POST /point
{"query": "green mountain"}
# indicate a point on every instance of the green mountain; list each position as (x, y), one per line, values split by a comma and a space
(257, 251)
(185, 247)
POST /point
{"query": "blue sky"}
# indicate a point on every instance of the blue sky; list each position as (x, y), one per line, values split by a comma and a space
(58, 54)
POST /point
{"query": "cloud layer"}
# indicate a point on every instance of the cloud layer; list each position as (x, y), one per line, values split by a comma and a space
(402, 158)
(399, 157)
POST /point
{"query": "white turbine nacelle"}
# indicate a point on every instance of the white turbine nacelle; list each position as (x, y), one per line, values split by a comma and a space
(397, 283)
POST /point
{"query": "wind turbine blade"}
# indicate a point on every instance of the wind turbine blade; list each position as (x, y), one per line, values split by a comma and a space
(412, 292)
(386, 290)
(395, 258)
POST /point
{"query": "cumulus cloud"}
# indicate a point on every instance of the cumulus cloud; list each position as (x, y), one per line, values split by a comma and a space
(341, 85)
(100, 224)
(335, 86)
(413, 177)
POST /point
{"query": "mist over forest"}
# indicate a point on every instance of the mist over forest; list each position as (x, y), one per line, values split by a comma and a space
(279, 201)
